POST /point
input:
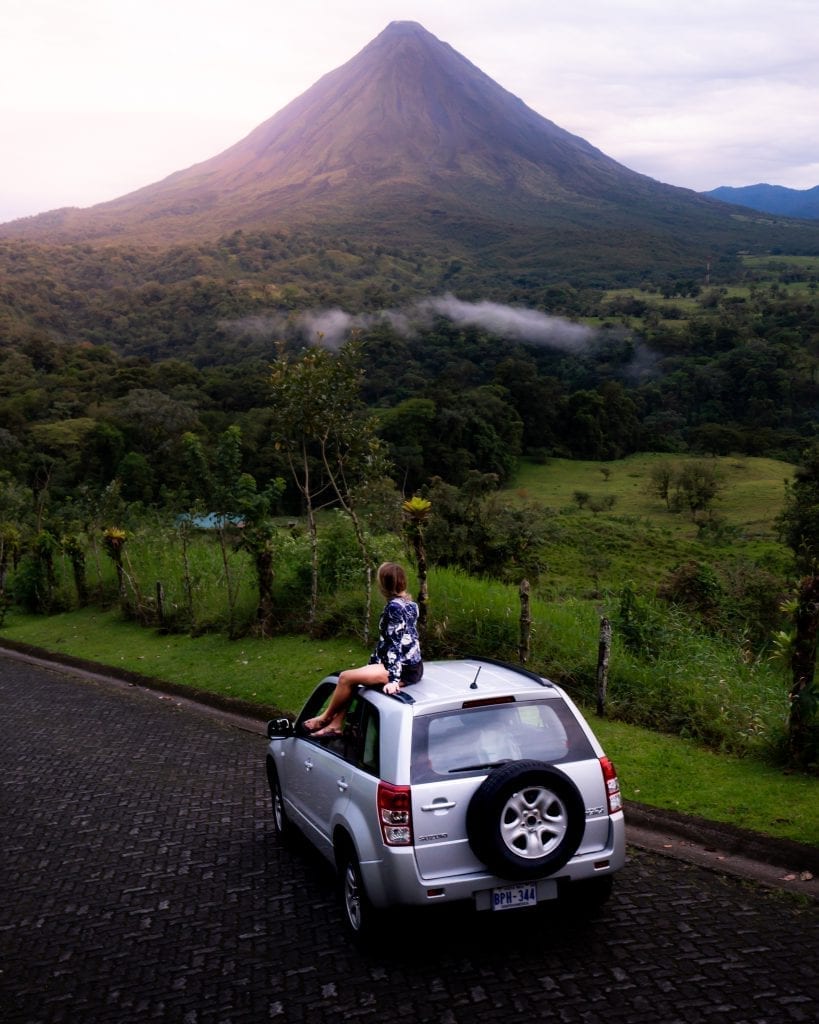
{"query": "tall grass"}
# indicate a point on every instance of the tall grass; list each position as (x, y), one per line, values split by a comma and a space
(696, 685)
(690, 683)
(199, 592)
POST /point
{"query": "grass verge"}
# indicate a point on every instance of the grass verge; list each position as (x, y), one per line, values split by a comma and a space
(272, 674)
(655, 769)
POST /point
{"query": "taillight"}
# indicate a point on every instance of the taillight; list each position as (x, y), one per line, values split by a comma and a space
(613, 796)
(395, 814)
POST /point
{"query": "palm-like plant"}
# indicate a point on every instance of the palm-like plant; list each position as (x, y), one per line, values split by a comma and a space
(416, 513)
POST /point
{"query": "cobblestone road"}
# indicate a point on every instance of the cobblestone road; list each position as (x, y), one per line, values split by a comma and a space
(141, 881)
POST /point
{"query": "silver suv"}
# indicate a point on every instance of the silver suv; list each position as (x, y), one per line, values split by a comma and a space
(482, 782)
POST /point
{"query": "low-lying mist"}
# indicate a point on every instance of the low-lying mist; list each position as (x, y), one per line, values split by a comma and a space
(331, 327)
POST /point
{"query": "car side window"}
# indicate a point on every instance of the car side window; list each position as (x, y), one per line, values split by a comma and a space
(359, 742)
(368, 759)
(314, 707)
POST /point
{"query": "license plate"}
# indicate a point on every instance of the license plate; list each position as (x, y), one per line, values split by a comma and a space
(514, 896)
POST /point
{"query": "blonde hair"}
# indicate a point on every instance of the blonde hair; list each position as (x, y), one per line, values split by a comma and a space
(392, 580)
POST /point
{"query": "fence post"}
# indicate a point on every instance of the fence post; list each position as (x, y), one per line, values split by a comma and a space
(524, 646)
(603, 652)
(160, 603)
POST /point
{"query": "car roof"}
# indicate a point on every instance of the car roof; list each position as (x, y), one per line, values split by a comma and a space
(450, 683)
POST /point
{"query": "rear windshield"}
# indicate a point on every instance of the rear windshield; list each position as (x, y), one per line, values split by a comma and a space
(472, 740)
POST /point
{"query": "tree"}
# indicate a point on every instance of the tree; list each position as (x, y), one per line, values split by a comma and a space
(113, 541)
(799, 520)
(697, 484)
(218, 486)
(259, 539)
(410, 429)
(320, 423)
(73, 545)
(225, 503)
(661, 478)
(136, 478)
(482, 531)
(799, 523)
(416, 513)
(803, 728)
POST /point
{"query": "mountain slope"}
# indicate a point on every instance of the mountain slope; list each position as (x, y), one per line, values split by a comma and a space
(410, 144)
(786, 202)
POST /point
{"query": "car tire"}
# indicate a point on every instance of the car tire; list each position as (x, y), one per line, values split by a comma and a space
(281, 823)
(525, 820)
(360, 917)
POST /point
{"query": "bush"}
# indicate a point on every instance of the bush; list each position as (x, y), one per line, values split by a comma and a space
(28, 586)
(742, 603)
(641, 624)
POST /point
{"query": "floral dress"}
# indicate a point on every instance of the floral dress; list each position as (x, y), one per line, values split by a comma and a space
(398, 643)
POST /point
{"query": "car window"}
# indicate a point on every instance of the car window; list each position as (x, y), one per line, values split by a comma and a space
(359, 741)
(474, 739)
(364, 751)
(317, 703)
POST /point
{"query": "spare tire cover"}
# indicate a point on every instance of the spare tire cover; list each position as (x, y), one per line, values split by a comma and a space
(525, 820)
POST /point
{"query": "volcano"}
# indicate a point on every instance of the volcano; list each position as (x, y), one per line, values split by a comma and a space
(410, 143)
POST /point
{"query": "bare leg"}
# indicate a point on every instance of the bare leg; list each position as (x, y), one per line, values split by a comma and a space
(333, 718)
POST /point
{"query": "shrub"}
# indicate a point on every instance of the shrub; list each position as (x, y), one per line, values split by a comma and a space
(640, 624)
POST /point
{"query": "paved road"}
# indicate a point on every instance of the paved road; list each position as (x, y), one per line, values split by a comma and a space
(140, 881)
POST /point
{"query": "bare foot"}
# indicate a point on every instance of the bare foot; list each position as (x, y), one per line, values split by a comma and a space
(328, 730)
(312, 724)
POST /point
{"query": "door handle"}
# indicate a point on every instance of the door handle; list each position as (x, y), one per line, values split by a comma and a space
(438, 805)
(308, 764)
(343, 785)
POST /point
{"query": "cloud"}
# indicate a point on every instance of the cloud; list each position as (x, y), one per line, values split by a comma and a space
(331, 327)
(512, 322)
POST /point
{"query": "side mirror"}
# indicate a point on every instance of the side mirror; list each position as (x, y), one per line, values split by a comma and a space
(279, 728)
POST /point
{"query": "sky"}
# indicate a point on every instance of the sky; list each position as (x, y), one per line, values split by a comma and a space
(101, 97)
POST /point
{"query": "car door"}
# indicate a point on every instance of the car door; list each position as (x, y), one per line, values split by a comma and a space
(309, 773)
(326, 772)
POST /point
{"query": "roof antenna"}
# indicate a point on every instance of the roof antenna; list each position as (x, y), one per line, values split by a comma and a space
(474, 684)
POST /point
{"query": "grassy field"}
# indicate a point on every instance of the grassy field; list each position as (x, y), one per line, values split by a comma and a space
(639, 540)
(655, 769)
(752, 494)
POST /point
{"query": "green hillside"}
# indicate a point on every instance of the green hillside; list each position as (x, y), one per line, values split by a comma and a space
(594, 549)
(751, 498)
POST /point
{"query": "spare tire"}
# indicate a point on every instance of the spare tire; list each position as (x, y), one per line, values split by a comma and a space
(525, 820)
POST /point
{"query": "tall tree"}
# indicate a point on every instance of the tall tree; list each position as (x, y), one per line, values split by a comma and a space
(321, 424)
(799, 523)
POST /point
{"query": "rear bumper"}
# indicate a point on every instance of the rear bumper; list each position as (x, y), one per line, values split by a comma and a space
(394, 879)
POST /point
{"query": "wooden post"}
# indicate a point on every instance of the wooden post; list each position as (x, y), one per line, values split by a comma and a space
(524, 646)
(603, 652)
(160, 603)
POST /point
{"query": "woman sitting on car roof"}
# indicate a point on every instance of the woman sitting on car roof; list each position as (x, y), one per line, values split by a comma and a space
(395, 661)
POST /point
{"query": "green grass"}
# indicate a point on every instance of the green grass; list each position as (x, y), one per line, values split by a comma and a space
(639, 540)
(751, 498)
(655, 769)
(272, 674)
(679, 775)
(777, 262)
